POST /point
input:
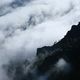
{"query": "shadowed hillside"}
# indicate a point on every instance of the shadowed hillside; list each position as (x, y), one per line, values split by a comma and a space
(58, 62)
(69, 50)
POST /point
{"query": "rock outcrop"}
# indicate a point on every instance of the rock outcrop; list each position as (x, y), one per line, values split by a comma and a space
(58, 62)
(67, 49)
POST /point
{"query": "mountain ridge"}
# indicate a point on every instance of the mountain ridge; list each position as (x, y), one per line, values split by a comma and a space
(58, 62)
(68, 49)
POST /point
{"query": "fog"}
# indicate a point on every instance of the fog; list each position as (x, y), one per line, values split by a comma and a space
(37, 23)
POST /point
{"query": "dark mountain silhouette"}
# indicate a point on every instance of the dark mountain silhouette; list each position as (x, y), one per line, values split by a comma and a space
(68, 49)
(58, 62)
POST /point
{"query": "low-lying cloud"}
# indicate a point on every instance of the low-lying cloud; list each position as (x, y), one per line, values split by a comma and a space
(38, 23)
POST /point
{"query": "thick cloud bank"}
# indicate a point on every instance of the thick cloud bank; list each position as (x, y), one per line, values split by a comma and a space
(26, 25)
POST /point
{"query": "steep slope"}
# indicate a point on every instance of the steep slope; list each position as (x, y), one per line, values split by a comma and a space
(58, 62)
(67, 49)
(26, 25)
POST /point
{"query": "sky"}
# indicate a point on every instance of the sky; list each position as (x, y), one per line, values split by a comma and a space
(30, 24)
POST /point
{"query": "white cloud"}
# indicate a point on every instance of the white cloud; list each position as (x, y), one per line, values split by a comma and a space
(3, 2)
(46, 22)
(63, 66)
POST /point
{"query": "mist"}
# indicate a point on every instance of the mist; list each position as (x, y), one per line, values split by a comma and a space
(37, 23)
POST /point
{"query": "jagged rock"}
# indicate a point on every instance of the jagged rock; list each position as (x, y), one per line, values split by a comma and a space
(69, 49)
(58, 62)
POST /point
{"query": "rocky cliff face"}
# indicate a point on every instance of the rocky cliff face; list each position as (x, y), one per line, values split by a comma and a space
(65, 55)
(58, 62)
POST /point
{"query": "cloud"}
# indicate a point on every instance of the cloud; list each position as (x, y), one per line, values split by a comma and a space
(39, 23)
(8, 6)
(3, 2)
